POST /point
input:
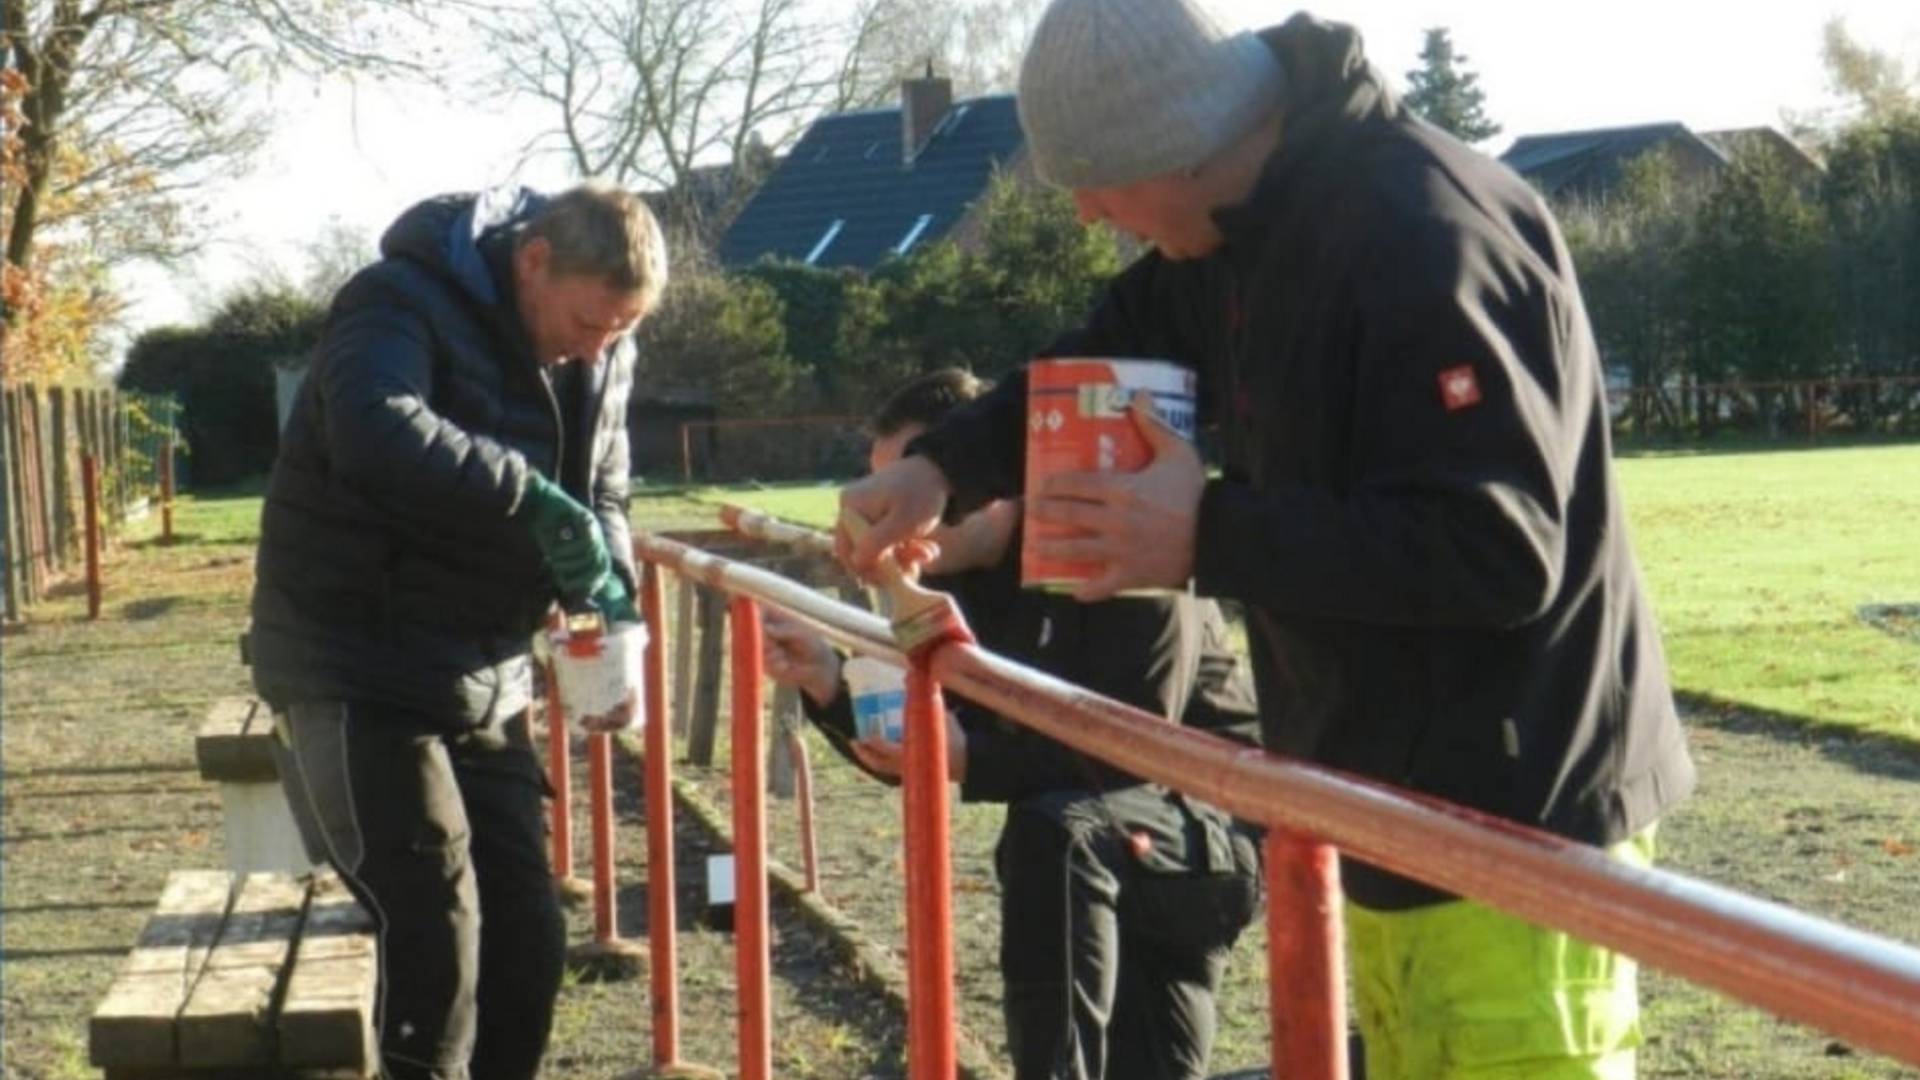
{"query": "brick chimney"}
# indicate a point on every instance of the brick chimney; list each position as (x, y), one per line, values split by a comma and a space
(923, 102)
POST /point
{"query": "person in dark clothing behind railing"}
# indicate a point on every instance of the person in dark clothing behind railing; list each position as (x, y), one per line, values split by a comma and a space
(1120, 900)
(456, 461)
(1416, 505)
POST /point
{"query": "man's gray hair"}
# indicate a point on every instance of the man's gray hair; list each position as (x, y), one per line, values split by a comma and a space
(603, 232)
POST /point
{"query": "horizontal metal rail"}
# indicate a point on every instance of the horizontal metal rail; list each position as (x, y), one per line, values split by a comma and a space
(1860, 986)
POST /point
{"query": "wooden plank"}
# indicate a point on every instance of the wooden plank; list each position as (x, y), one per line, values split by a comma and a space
(327, 1017)
(10, 593)
(134, 1025)
(782, 782)
(706, 687)
(228, 1019)
(43, 451)
(32, 504)
(64, 484)
(682, 703)
(235, 742)
(117, 421)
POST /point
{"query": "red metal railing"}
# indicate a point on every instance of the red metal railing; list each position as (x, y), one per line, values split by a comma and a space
(657, 782)
(752, 960)
(1856, 985)
(1860, 986)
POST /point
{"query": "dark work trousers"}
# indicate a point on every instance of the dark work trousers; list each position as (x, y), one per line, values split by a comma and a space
(441, 839)
(1110, 966)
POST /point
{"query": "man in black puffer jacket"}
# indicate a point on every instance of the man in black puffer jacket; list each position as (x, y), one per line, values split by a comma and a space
(1417, 505)
(456, 462)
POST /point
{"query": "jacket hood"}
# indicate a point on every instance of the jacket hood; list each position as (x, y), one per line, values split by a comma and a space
(443, 234)
(1328, 75)
(1330, 87)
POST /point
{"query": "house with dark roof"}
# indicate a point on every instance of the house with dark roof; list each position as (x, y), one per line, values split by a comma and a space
(1793, 159)
(1590, 164)
(862, 186)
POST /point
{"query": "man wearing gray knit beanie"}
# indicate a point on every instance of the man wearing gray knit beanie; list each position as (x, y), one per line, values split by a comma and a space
(1415, 502)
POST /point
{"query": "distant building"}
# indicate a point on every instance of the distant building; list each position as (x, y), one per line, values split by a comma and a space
(1590, 164)
(862, 186)
(1801, 167)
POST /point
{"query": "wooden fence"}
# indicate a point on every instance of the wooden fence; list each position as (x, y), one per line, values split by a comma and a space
(48, 431)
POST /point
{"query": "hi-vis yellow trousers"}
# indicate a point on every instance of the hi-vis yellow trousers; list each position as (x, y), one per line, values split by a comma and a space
(1458, 991)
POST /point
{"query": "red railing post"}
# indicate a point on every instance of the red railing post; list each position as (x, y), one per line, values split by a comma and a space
(930, 1042)
(560, 775)
(751, 956)
(661, 916)
(166, 492)
(1306, 968)
(90, 481)
(607, 956)
(600, 804)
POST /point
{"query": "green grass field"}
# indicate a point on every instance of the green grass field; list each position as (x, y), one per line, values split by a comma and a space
(1758, 562)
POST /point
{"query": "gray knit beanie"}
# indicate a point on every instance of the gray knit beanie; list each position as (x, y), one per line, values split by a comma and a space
(1114, 91)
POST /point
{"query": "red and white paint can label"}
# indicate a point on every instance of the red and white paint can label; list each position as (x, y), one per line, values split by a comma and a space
(1078, 421)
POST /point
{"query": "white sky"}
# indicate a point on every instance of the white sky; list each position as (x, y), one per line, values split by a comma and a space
(362, 156)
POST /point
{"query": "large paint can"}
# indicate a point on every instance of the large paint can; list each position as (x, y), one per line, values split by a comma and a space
(1078, 421)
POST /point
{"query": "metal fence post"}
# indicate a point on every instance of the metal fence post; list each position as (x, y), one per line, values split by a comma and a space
(661, 915)
(751, 947)
(930, 1041)
(1306, 968)
(90, 485)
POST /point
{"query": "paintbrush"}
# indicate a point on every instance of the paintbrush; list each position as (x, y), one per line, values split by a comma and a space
(922, 618)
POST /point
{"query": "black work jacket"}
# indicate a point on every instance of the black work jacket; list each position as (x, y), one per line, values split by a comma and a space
(1169, 655)
(1417, 505)
(391, 568)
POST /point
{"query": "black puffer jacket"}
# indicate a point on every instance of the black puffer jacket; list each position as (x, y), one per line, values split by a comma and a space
(391, 568)
(1418, 508)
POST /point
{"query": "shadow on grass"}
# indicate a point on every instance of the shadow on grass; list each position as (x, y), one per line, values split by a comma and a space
(42, 909)
(1864, 751)
(152, 608)
(106, 792)
(801, 955)
(1899, 620)
(29, 836)
(180, 539)
(1750, 444)
(17, 775)
(17, 955)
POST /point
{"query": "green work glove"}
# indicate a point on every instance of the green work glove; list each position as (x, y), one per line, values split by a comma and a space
(569, 537)
(614, 602)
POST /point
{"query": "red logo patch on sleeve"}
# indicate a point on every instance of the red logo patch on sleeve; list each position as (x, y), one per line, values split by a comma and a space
(1459, 388)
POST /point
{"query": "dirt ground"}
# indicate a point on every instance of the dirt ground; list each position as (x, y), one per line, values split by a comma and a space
(99, 799)
(1827, 825)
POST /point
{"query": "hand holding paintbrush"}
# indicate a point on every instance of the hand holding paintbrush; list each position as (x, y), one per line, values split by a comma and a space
(922, 618)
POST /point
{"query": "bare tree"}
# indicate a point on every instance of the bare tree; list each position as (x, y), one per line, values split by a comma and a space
(651, 92)
(1876, 81)
(977, 44)
(336, 253)
(130, 105)
(645, 92)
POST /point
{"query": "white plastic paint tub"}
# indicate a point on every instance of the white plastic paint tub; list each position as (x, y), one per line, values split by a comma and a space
(599, 670)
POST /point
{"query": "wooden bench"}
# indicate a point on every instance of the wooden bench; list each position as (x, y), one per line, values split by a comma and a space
(256, 975)
(235, 750)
